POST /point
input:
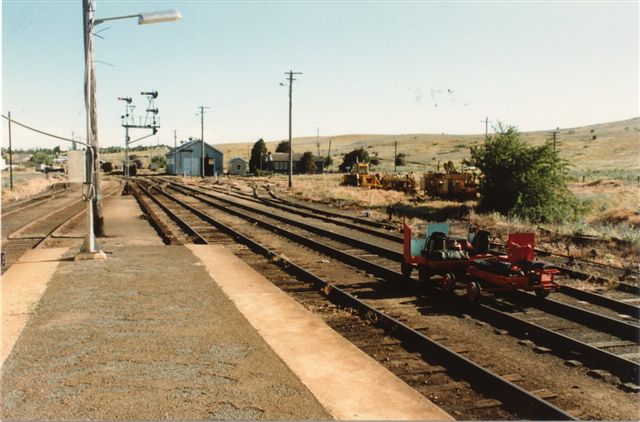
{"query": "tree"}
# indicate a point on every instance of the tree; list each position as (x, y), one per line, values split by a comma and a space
(258, 158)
(307, 163)
(160, 160)
(283, 146)
(328, 161)
(400, 159)
(359, 155)
(42, 157)
(56, 151)
(530, 181)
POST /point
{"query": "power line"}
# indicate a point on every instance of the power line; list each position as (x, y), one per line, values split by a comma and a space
(43, 132)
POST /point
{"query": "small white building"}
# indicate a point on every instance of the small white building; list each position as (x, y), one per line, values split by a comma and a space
(238, 166)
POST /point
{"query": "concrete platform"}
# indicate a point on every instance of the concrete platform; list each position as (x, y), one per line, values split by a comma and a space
(170, 332)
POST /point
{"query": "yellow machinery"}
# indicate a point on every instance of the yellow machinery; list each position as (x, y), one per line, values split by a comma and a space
(400, 183)
(361, 177)
(452, 183)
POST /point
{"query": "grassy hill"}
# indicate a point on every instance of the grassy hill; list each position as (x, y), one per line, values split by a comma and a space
(612, 147)
(603, 150)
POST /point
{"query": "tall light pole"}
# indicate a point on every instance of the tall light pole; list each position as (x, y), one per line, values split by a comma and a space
(93, 194)
(291, 79)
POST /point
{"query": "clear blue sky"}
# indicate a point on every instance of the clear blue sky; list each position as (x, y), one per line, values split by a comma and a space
(368, 67)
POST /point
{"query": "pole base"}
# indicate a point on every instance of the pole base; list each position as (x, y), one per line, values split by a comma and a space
(90, 256)
(89, 250)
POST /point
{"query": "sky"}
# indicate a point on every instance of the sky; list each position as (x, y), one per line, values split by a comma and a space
(368, 67)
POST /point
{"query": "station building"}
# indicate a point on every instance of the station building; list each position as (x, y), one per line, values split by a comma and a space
(186, 160)
(238, 166)
(278, 162)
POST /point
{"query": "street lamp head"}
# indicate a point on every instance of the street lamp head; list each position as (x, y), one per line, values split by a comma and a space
(157, 17)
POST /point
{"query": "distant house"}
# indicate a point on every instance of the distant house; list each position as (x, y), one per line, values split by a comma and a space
(187, 160)
(238, 166)
(278, 162)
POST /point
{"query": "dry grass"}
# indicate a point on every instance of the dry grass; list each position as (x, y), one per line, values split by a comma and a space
(617, 146)
(29, 188)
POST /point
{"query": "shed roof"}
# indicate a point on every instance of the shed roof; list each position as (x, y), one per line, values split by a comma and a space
(284, 156)
(192, 143)
(238, 159)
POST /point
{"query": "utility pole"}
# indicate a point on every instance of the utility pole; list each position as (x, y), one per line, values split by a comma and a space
(554, 137)
(486, 128)
(96, 219)
(10, 154)
(175, 152)
(291, 79)
(73, 137)
(202, 108)
(318, 141)
(395, 157)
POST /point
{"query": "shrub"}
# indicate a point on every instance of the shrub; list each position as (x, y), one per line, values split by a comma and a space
(400, 159)
(283, 146)
(258, 160)
(350, 158)
(307, 163)
(159, 160)
(528, 181)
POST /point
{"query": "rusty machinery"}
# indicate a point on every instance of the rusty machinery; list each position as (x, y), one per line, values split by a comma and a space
(361, 177)
(452, 183)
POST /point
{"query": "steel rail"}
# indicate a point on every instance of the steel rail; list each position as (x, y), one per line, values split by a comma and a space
(174, 217)
(292, 209)
(13, 207)
(615, 305)
(512, 396)
(335, 214)
(584, 317)
(368, 266)
(539, 334)
(593, 357)
(603, 323)
(367, 246)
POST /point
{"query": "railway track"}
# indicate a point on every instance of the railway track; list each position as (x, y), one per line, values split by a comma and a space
(19, 206)
(38, 231)
(591, 333)
(431, 376)
(566, 263)
(590, 355)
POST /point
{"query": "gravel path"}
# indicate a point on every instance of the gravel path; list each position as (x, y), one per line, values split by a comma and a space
(145, 334)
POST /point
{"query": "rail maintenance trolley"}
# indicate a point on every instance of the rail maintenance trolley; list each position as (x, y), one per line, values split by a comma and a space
(469, 261)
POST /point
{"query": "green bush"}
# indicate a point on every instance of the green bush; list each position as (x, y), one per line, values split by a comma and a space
(357, 155)
(283, 146)
(528, 181)
(258, 160)
(307, 163)
(160, 160)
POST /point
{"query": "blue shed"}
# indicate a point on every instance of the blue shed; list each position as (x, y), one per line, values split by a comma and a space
(187, 160)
